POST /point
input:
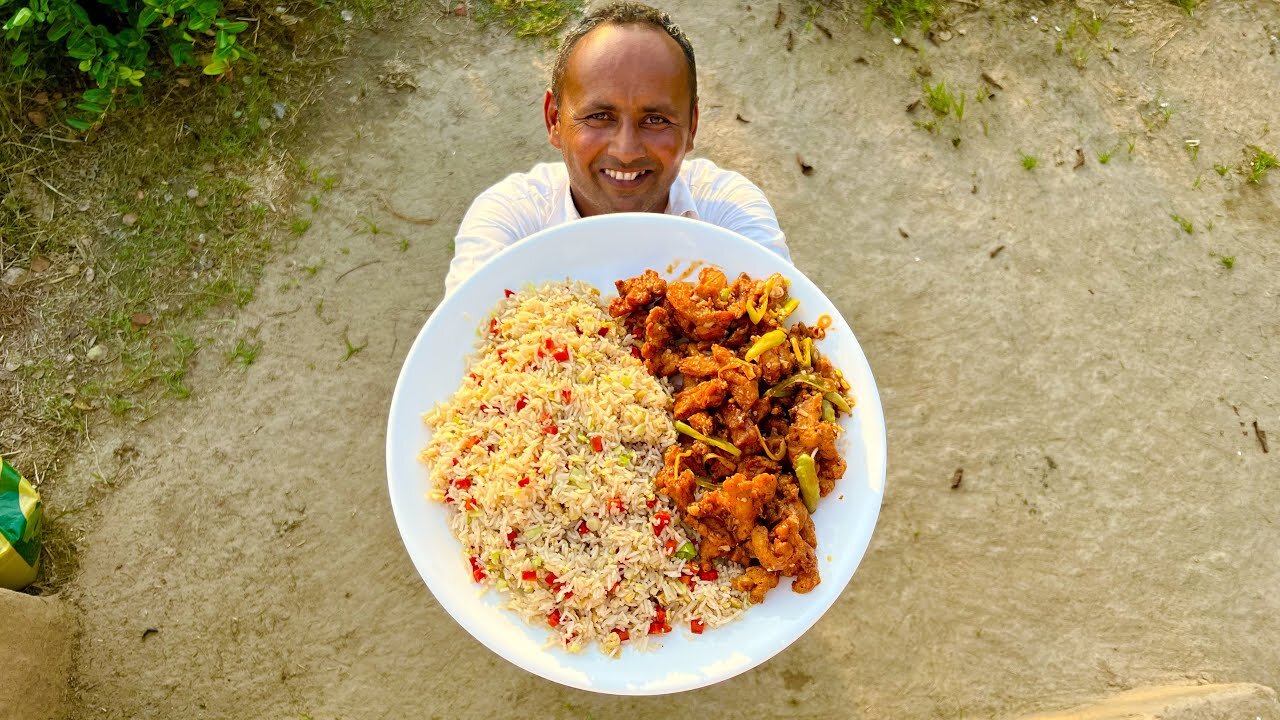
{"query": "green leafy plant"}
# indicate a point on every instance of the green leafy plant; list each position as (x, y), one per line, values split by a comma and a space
(116, 55)
(1029, 162)
(1262, 162)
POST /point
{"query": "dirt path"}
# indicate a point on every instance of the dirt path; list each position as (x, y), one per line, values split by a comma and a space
(1092, 368)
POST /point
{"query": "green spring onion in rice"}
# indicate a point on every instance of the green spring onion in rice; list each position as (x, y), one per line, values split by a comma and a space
(545, 457)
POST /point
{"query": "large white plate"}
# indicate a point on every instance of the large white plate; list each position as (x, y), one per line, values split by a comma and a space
(601, 250)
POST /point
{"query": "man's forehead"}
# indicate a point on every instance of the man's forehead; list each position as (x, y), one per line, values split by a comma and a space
(611, 58)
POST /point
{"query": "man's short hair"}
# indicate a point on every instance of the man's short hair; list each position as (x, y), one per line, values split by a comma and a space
(623, 13)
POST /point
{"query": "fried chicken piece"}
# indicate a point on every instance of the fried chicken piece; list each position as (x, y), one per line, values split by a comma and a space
(808, 434)
(756, 581)
(741, 376)
(710, 282)
(777, 363)
(699, 366)
(636, 292)
(726, 517)
(680, 487)
(665, 364)
(702, 422)
(696, 317)
(784, 550)
(753, 465)
(659, 359)
(657, 332)
(741, 428)
(706, 394)
(716, 463)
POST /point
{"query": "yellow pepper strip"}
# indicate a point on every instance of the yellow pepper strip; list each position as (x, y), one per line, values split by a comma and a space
(756, 312)
(679, 457)
(807, 475)
(768, 341)
(782, 449)
(803, 350)
(838, 400)
(787, 309)
(724, 445)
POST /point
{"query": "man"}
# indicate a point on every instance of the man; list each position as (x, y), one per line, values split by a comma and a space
(623, 111)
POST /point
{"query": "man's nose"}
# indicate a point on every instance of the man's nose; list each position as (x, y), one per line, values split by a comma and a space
(627, 146)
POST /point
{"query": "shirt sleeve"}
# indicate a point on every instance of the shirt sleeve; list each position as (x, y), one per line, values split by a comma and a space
(497, 218)
(735, 203)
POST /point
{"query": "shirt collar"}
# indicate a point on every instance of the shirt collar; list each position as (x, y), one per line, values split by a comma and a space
(679, 202)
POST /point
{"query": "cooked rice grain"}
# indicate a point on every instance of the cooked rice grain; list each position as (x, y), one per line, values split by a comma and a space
(513, 454)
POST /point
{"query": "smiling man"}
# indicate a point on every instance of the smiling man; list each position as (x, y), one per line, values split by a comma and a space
(623, 111)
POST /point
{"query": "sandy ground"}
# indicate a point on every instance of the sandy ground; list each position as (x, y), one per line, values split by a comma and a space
(1096, 379)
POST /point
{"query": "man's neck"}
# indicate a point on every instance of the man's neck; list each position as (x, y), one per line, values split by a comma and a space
(578, 206)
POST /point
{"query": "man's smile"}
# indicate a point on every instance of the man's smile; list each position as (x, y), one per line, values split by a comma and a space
(625, 180)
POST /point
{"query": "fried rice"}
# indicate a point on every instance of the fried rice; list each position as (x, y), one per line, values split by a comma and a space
(546, 457)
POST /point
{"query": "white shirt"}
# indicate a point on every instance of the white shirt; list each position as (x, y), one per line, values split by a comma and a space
(524, 203)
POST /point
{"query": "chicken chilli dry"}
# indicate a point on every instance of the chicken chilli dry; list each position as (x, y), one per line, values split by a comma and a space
(756, 412)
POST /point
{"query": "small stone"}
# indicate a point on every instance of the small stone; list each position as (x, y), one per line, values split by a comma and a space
(141, 195)
(202, 202)
(88, 274)
(193, 193)
(184, 82)
(460, 10)
(42, 98)
(14, 276)
(944, 35)
(39, 264)
(264, 123)
(129, 219)
(96, 353)
(11, 366)
(140, 319)
(348, 16)
(38, 118)
(70, 358)
(83, 206)
(278, 108)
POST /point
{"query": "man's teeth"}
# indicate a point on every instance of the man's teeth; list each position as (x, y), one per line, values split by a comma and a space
(623, 176)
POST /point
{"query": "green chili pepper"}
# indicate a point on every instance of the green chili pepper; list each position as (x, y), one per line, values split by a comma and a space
(838, 400)
(788, 308)
(807, 474)
(805, 378)
(704, 483)
(828, 411)
(768, 341)
(687, 551)
(724, 445)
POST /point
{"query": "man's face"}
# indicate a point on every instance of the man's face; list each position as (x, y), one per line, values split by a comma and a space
(625, 119)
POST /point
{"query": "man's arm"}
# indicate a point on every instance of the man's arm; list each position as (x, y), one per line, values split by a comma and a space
(728, 199)
(497, 218)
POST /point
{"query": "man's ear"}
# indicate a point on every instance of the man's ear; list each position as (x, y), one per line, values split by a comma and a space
(693, 129)
(551, 114)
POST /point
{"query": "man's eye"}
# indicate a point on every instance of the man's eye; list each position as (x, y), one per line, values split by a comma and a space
(598, 116)
(655, 120)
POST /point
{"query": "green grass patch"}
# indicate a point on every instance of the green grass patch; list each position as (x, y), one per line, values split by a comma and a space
(898, 15)
(527, 18)
(244, 353)
(1183, 223)
(1261, 162)
(1029, 162)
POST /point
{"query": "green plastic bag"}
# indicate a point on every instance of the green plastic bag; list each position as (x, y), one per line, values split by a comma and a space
(20, 516)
